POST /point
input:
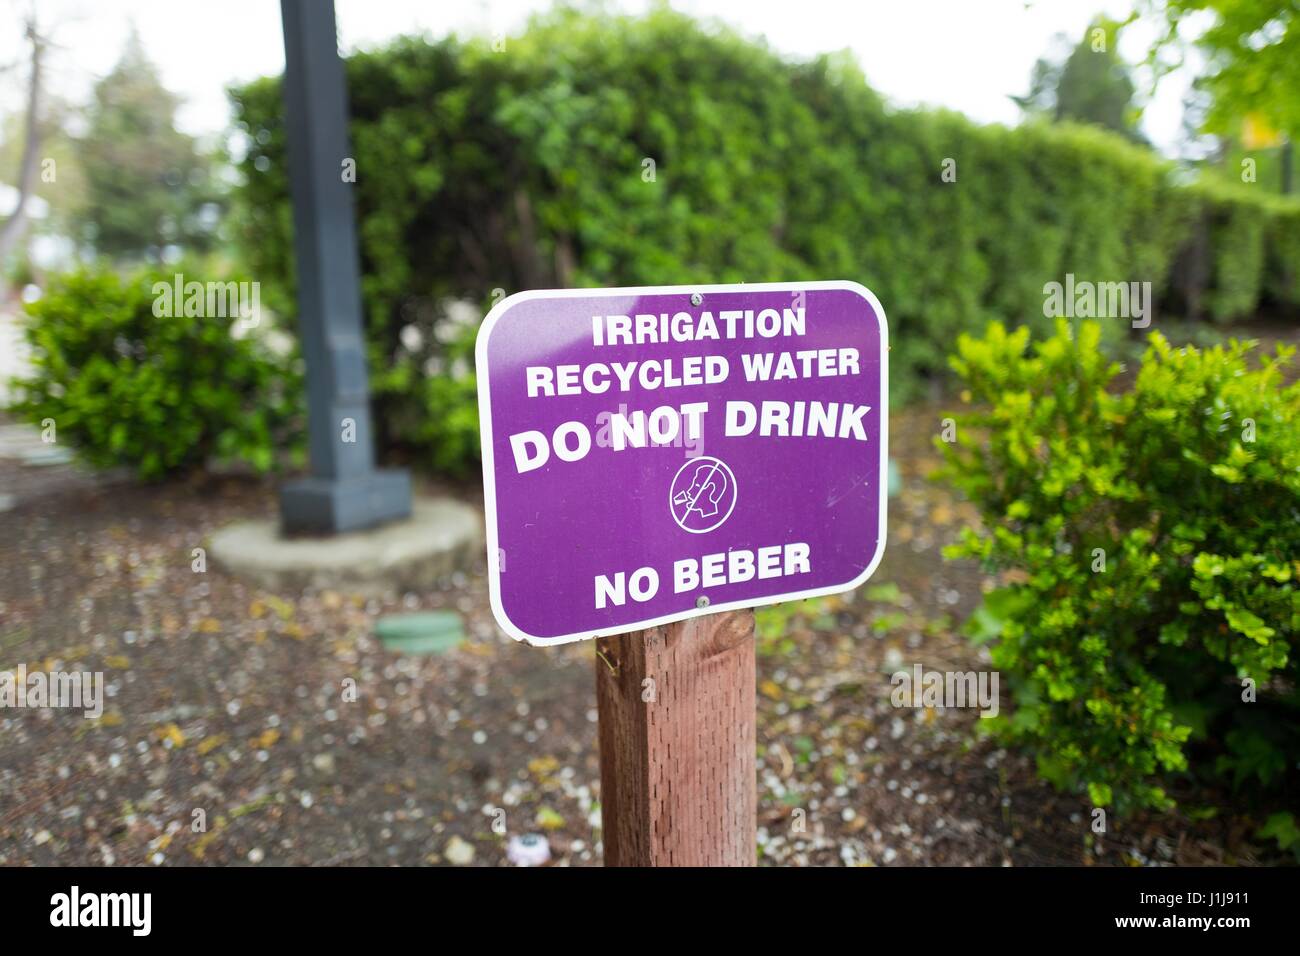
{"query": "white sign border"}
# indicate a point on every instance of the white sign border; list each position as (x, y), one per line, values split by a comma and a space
(489, 465)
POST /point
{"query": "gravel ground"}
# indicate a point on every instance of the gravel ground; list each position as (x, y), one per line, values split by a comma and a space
(226, 707)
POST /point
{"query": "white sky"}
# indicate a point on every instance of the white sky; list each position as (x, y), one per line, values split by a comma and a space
(967, 55)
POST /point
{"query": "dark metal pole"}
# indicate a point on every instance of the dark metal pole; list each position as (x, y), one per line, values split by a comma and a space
(345, 492)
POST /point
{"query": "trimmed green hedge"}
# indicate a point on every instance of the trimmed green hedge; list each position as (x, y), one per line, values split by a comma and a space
(527, 168)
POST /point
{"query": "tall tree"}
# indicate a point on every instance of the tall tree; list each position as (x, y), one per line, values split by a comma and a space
(1252, 52)
(1091, 85)
(12, 229)
(1252, 61)
(146, 182)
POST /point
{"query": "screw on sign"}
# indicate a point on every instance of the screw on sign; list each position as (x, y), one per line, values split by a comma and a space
(656, 462)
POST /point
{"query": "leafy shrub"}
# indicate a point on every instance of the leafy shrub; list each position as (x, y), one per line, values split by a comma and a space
(1281, 828)
(479, 171)
(158, 394)
(1152, 543)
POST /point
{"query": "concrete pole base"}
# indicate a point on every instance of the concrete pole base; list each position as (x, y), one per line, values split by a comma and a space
(330, 506)
(440, 536)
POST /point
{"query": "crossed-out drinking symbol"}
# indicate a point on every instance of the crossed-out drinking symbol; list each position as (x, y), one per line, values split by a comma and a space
(702, 495)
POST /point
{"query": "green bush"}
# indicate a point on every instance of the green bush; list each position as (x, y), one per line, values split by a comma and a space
(1152, 543)
(480, 170)
(155, 393)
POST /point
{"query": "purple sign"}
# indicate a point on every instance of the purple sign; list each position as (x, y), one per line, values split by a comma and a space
(658, 453)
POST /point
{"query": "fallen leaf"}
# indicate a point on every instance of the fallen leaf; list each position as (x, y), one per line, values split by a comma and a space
(172, 733)
(542, 767)
(548, 819)
(209, 744)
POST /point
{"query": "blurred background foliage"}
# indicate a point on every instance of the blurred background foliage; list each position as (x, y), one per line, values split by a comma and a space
(148, 186)
(602, 149)
(479, 171)
(1091, 84)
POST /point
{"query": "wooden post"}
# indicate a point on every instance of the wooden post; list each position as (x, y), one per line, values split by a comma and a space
(677, 743)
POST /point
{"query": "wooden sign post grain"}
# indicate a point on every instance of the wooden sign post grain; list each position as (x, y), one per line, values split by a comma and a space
(677, 743)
